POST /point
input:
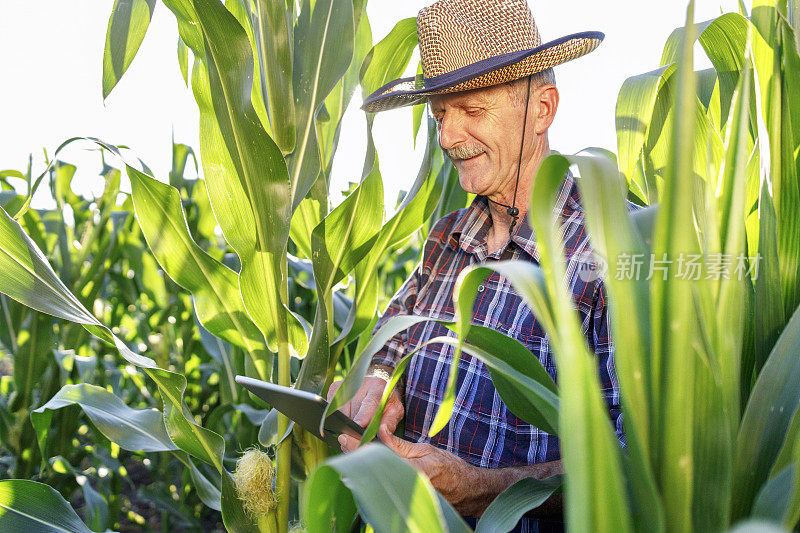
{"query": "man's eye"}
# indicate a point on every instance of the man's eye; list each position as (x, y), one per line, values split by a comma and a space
(473, 111)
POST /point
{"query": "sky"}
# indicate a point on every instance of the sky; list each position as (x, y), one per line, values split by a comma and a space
(51, 70)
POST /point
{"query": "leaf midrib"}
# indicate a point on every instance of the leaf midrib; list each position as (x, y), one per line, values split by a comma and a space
(49, 286)
(34, 518)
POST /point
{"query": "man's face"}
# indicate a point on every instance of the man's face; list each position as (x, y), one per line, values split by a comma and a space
(481, 131)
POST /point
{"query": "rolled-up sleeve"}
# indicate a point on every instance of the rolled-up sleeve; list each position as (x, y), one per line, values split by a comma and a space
(601, 343)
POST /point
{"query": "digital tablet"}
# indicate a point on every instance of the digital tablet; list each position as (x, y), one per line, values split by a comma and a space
(305, 408)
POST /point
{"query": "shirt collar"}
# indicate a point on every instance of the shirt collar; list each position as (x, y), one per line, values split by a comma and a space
(471, 229)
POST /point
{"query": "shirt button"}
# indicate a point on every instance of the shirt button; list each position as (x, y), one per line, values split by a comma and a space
(480, 288)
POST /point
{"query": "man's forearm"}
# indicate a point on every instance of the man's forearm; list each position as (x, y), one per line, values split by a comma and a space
(487, 483)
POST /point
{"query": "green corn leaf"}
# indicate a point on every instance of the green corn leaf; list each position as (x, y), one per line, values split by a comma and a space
(374, 425)
(126, 28)
(246, 175)
(389, 58)
(131, 429)
(358, 368)
(464, 293)
(531, 399)
(96, 510)
(308, 215)
(731, 217)
(596, 498)
(389, 493)
(339, 98)
(773, 500)
(183, 60)
(31, 506)
(619, 239)
(323, 50)
(673, 313)
(30, 280)
(31, 357)
(241, 11)
(417, 207)
(792, 516)
(769, 318)
(339, 242)
(635, 105)
(724, 40)
(776, 61)
(511, 504)
(773, 402)
(273, 46)
(521, 381)
(787, 194)
(215, 287)
(329, 505)
(416, 115)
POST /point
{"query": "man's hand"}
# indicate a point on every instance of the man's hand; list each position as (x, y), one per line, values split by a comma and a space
(362, 407)
(457, 480)
(468, 488)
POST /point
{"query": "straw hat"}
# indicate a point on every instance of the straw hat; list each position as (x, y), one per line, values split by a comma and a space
(469, 44)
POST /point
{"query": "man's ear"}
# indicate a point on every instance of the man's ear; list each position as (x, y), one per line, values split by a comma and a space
(546, 100)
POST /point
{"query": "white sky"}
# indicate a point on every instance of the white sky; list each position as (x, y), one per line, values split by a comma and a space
(51, 67)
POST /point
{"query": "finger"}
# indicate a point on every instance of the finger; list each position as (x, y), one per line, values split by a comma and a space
(348, 443)
(369, 405)
(392, 415)
(401, 447)
(332, 390)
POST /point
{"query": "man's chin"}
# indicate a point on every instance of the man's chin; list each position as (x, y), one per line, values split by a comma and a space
(470, 181)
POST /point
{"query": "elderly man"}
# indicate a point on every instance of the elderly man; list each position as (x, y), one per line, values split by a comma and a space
(490, 85)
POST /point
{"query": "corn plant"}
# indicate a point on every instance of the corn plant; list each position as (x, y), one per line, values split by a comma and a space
(271, 82)
(707, 363)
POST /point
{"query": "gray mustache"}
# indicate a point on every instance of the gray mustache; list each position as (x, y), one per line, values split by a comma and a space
(464, 152)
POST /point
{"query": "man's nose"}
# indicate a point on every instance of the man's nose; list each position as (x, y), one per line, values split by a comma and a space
(451, 132)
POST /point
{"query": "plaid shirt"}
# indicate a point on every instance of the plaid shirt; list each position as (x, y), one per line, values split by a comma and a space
(482, 430)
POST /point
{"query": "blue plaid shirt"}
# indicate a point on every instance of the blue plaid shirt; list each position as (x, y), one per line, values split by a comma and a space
(482, 430)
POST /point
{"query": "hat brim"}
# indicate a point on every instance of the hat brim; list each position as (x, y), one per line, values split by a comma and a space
(491, 71)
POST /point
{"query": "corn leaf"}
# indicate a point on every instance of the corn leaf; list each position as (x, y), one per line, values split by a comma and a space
(323, 50)
(273, 47)
(417, 207)
(389, 58)
(464, 293)
(723, 39)
(131, 429)
(389, 493)
(32, 356)
(214, 286)
(339, 242)
(617, 238)
(595, 496)
(127, 26)
(510, 505)
(30, 280)
(246, 175)
(31, 506)
(773, 500)
(635, 105)
(773, 402)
